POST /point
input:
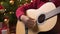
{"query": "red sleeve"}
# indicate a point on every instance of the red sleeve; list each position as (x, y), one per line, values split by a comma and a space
(21, 10)
(33, 5)
(56, 2)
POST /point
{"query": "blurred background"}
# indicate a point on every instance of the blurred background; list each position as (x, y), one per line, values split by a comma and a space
(8, 18)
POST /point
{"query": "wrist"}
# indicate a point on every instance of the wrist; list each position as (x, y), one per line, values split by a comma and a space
(24, 18)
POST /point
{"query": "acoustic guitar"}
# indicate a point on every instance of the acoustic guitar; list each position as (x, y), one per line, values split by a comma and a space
(46, 17)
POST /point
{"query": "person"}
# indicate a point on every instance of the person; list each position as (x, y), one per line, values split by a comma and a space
(35, 4)
(21, 11)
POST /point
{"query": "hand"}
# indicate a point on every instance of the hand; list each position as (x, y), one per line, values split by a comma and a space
(29, 22)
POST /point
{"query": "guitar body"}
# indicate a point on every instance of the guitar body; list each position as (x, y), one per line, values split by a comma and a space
(20, 28)
(34, 13)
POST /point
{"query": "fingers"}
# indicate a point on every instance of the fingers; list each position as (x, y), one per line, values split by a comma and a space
(30, 23)
(31, 18)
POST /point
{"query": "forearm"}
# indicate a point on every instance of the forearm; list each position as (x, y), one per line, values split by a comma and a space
(19, 12)
(22, 10)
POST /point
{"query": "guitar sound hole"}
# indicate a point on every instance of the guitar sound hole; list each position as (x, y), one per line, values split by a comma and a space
(41, 18)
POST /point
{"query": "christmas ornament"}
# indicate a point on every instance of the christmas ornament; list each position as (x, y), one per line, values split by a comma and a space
(6, 19)
(12, 2)
(2, 9)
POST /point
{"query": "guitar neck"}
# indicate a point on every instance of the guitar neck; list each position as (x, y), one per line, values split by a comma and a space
(52, 13)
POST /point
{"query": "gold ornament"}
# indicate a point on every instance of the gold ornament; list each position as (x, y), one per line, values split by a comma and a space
(12, 2)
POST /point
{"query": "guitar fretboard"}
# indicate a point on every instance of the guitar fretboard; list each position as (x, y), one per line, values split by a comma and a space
(52, 13)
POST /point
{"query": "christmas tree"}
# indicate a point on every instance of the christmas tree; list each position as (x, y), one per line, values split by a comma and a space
(10, 7)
